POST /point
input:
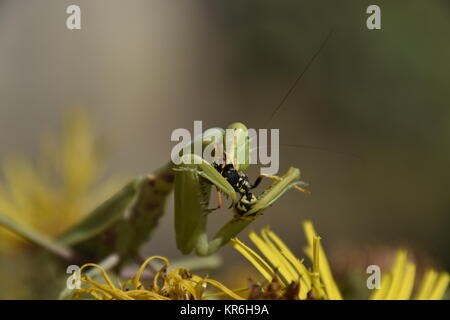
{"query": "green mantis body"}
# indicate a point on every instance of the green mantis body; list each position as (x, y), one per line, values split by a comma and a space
(192, 193)
(124, 222)
(120, 225)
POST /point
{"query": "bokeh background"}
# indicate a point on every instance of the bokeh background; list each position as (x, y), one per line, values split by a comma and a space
(370, 118)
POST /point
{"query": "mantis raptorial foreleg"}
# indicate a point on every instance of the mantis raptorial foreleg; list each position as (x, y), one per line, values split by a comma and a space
(277, 178)
(192, 192)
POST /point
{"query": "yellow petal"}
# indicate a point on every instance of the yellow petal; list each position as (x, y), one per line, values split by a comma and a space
(380, 294)
(440, 288)
(427, 284)
(397, 275)
(259, 263)
(408, 282)
(273, 257)
(285, 264)
(302, 272)
(326, 275)
(221, 287)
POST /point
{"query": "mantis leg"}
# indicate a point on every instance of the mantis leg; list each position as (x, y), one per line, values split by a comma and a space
(192, 192)
(282, 184)
(219, 202)
(196, 165)
(219, 199)
(277, 178)
(231, 229)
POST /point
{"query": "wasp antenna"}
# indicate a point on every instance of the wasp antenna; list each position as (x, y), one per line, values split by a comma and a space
(291, 89)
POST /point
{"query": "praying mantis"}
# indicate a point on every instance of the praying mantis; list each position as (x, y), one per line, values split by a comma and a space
(198, 175)
(123, 223)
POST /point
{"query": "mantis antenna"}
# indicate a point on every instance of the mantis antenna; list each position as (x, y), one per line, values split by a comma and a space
(291, 90)
(305, 69)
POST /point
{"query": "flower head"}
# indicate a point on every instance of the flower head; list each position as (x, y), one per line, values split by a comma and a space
(177, 284)
(286, 277)
(398, 284)
(284, 271)
(280, 263)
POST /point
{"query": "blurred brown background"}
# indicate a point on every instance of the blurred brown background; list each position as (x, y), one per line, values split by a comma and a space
(372, 113)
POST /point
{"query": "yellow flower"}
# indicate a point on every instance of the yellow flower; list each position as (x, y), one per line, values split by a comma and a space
(317, 282)
(58, 189)
(287, 277)
(177, 284)
(399, 282)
